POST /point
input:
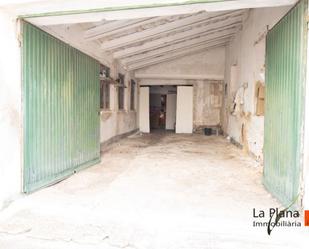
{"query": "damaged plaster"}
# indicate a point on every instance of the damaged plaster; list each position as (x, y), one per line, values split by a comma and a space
(245, 62)
(207, 103)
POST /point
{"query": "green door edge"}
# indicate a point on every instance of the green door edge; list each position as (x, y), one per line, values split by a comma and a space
(296, 201)
(65, 173)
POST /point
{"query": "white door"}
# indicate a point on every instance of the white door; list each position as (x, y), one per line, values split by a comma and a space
(170, 111)
(184, 113)
(144, 125)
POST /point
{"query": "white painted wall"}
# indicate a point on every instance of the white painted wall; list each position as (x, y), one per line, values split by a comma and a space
(184, 109)
(246, 54)
(144, 122)
(210, 64)
(116, 122)
(10, 111)
(171, 102)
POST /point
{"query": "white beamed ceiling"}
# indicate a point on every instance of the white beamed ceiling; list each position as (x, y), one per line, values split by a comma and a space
(156, 36)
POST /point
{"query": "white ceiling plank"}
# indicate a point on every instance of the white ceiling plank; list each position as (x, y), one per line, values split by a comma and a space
(103, 34)
(111, 26)
(201, 18)
(217, 37)
(171, 56)
(176, 37)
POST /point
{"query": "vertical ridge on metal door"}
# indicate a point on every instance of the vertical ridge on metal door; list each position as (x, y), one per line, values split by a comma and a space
(61, 102)
(284, 117)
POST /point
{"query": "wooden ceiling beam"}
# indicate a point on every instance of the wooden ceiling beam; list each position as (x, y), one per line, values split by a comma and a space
(190, 34)
(177, 25)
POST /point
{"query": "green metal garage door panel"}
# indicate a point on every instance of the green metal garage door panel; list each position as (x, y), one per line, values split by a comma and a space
(61, 103)
(285, 82)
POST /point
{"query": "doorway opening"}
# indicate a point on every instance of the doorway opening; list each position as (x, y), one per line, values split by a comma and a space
(162, 108)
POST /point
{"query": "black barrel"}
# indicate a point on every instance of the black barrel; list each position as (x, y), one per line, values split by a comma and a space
(208, 131)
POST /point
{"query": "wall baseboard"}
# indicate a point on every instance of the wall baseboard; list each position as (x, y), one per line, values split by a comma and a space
(237, 144)
(116, 139)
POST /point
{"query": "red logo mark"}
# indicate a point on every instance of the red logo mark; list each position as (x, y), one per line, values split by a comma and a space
(307, 218)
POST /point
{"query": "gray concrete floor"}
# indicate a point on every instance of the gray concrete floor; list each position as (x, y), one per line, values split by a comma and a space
(160, 191)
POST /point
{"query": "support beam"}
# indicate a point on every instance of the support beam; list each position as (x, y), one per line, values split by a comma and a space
(210, 30)
(171, 56)
(111, 26)
(179, 76)
(188, 43)
(178, 25)
(103, 34)
(212, 43)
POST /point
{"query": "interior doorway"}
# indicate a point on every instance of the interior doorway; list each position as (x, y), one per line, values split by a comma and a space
(162, 107)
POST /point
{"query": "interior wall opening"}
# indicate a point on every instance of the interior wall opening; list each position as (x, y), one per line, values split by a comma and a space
(162, 108)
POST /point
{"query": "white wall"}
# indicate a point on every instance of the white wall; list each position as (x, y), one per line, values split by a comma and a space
(116, 122)
(10, 111)
(208, 63)
(247, 54)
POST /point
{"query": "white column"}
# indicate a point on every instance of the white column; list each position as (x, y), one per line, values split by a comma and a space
(144, 123)
(171, 111)
(184, 113)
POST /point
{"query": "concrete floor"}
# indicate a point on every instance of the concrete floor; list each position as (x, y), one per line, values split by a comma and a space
(160, 191)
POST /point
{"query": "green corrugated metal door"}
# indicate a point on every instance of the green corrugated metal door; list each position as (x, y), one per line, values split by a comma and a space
(61, 104)
(285, 82)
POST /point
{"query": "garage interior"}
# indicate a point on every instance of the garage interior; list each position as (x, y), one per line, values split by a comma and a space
(162, 108)
(153, 126)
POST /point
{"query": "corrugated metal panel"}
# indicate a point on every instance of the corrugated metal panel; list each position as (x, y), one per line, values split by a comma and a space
(285, 81)
(61, 104)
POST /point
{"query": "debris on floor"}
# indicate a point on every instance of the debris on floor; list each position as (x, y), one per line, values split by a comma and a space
(160, 191)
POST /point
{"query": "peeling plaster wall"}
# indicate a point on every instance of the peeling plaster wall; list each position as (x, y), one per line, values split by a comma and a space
(10, 111)
(207, 103)
(207, 99)
(245, 63)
